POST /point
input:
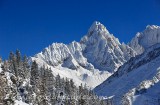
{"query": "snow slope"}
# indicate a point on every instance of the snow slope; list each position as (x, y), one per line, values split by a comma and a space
(133, 73)
(20, 103)
(151, 97)
(94, 58)
(62, 62)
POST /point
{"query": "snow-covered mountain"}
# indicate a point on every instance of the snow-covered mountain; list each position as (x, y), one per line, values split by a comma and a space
(125, 71)
(128, 74)
(94, 58)
(145, 39)
(135, 80)
(103, 50)
(136, 69)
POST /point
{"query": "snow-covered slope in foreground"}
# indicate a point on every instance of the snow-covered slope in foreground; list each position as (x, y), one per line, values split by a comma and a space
(151, 97)
(20, 103)
(127, 81)
(90, 61)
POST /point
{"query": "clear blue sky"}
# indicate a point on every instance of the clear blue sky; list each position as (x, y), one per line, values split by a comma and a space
(31, 25)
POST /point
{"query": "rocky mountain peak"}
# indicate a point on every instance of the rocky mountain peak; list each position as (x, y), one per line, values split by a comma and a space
(98, 54)
(145, 39)
(152, 27)
(97, 27)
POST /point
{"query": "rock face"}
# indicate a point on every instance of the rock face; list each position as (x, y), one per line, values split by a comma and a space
(103, 50)
(145, 39)
(69, 56)
(98, 51)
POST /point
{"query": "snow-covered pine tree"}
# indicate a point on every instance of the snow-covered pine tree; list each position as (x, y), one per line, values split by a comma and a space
(43, 88)
(3, 84)
(82, 96)
(5, 66)
(26, 68)
(73, 94)
(0, 59)
(18, 57)
(38, 86)
(34, 73)
(13, 64)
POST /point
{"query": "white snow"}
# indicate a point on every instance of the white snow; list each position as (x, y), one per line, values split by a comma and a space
(126, 81)
(151, 97)
(99, 54)
(103, 50)
(90, 61)
(96, 59)
(0, 68)
(90, 77)
(20, 103)
(145, 39)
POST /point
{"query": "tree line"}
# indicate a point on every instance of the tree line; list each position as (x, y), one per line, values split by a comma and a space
(34, 85)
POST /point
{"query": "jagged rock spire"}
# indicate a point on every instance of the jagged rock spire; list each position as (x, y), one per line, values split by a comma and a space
(97, 27)
(145, 39)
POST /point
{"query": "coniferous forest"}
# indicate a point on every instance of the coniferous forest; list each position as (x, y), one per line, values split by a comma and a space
(27, 82)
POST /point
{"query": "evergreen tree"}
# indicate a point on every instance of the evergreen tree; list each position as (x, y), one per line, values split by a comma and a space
(81, 100)
(5, 66)
(0, 59)
(18, 57)
(57, 84)
(15, 68)
(13, 65)
(34, 73)
(43, 88)
(25, 67)
(11, 56)
(50, 80)
(3, 84)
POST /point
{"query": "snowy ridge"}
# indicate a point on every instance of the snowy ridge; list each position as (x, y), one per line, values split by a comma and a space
(103, 50)
(147, 92)
(101, 58)
(136, 71)
(151, 97)
(95, 57)
(145, 39)
(68, 61)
